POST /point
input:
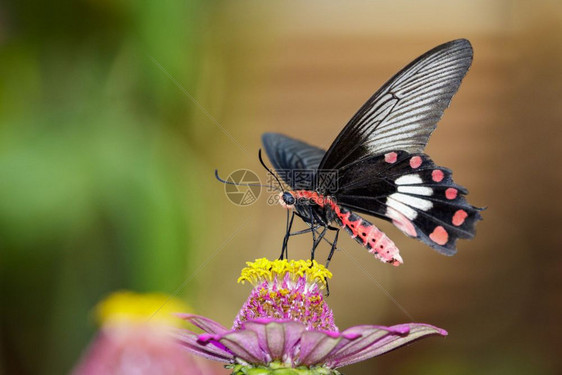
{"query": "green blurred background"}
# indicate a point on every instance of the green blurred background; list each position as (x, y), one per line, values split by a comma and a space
(114, 114)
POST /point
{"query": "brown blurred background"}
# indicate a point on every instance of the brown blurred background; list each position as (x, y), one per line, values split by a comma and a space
(303, 69)
(313, 64)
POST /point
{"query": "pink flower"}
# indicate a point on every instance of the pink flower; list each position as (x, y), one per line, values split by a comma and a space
(134, 340)
(286, 323)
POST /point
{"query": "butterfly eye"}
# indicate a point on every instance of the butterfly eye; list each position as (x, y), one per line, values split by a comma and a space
(288, 198)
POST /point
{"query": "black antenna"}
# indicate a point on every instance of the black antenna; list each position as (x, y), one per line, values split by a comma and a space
(239, 184)
(269, 170)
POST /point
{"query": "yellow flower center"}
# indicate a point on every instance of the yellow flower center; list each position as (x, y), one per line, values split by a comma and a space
(138, 308)
(287, 289)
(266, 270)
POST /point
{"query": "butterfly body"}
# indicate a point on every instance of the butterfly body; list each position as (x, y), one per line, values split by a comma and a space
(376, 165)
(325, 211)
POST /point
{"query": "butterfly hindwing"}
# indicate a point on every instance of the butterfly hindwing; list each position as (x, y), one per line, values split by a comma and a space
(295, 161)
(420, 198)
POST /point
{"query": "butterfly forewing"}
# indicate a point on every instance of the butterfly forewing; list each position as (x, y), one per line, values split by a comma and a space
(405, 111)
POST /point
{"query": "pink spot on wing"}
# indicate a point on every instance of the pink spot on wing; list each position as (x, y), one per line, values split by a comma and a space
(437, 175)
(451, 193)
(415, 162)
(391, 157)
(439, 235)
(458, 217)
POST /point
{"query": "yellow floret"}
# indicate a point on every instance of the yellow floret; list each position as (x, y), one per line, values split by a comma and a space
(265, 270)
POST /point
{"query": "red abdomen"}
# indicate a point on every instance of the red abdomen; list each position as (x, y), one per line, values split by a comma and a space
(368, 235)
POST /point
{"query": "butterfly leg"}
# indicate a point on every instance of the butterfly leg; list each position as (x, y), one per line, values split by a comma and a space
(333, 249)
(313, 230)
(284, 248)
(333, 244)
(317, 241)
(307, 230)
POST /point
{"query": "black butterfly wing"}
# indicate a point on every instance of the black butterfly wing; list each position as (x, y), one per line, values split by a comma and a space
(295, 161)
(403, 113)
(419, 197)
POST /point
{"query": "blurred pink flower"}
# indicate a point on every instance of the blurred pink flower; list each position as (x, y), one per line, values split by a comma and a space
(134, 340)
(286, 324)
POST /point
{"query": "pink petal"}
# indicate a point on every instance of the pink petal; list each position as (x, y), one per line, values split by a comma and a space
(369, 336)
(244, 344)
(206, 324)
(189, 341)
(315, 346)
(278, 339)
(377, 340)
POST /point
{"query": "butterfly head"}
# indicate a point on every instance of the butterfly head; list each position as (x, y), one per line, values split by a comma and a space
(287, 199)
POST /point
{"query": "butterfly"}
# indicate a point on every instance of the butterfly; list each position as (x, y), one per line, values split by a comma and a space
(376, 165)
